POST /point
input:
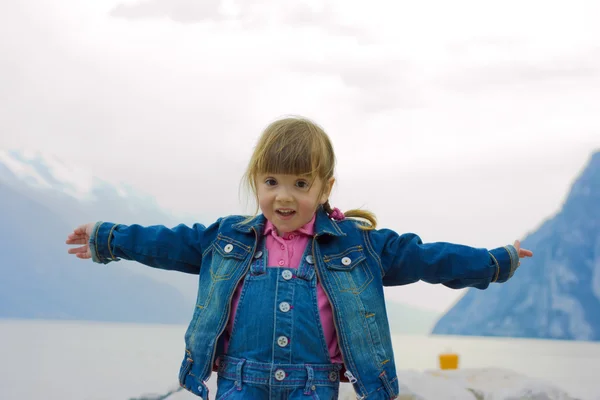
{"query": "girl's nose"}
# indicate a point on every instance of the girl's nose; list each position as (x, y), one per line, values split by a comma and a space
(283, 195)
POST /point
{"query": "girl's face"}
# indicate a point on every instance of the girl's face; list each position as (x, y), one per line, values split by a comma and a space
(290, 201)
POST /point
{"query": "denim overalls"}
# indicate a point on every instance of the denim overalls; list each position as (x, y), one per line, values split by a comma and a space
(277, 349)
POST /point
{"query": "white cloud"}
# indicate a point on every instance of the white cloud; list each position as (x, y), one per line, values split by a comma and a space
(466, 105)
(248, 14)
(179, 10)
(22, 170)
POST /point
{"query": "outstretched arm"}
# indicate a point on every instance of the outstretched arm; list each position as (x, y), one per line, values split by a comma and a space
(406, 259)
(179, 248)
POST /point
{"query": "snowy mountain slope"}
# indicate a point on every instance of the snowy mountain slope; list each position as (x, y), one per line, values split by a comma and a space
(39, 205)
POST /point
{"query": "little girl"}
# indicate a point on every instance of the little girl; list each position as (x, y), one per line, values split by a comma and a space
(291, 301)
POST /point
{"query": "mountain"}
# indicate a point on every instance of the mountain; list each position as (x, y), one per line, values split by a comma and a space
(555, 294)
(39, 278)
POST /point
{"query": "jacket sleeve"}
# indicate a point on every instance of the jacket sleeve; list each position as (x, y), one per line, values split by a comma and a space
(406, 259)
(179, 248)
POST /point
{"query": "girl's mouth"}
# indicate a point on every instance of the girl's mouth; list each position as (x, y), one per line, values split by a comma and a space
(285, 213)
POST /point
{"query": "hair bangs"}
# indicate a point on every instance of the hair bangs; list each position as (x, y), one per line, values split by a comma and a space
(286, 158)
(292, 155)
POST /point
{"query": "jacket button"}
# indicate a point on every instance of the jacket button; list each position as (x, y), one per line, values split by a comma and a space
(282, 341)
(280, 374)
(287, 275)
(284, 306)
(258, 254)
(333, 376)
(309, 259)
(346, 261)
(228, 248)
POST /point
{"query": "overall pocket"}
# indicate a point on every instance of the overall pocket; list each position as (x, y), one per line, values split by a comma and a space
(350, 269)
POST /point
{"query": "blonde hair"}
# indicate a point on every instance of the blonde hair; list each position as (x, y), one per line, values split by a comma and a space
(298, 146)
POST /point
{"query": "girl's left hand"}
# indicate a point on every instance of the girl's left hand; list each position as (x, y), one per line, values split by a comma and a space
(522, 252)
(81, 235)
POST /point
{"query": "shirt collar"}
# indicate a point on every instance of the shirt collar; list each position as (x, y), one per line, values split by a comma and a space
(308, 229)
(323, 224)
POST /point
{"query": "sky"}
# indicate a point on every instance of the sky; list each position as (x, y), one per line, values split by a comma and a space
(462, 121)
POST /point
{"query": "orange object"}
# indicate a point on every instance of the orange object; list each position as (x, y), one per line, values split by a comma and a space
(448, 361)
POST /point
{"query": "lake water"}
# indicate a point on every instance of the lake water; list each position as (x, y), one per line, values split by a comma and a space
(86, 360)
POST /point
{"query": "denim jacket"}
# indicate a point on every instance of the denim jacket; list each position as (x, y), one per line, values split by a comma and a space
(352, 264)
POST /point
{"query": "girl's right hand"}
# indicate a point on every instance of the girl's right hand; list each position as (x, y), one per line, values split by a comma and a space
(81, 235)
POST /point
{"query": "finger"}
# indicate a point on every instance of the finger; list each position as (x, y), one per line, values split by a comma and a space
(79, 250)
(76, 236)
(517, 245)
(81, 229)
(76, 241)
(84, 256)
(525, 253)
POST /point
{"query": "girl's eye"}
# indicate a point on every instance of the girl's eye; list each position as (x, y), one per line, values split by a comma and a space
(302, 184)
(270, 182)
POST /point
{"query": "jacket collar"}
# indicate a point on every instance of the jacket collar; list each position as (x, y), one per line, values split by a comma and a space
(323, 225)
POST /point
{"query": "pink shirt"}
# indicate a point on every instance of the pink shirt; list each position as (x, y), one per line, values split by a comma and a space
(287, 251)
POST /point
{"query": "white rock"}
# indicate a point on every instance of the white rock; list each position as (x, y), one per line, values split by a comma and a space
(463, 384)
(498, 383)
